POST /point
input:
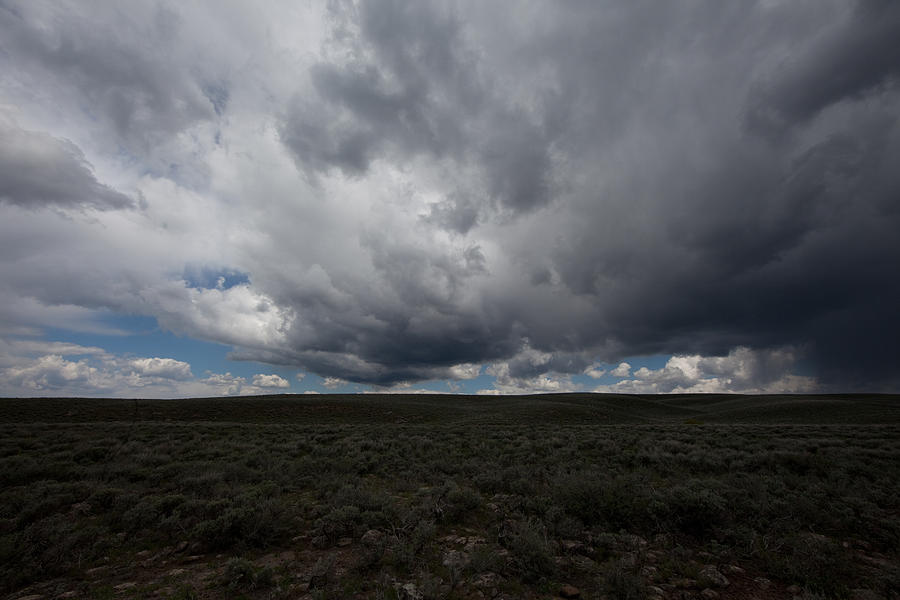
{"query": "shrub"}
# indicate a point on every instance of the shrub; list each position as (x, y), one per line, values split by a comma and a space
(240, 574)
(530, 551)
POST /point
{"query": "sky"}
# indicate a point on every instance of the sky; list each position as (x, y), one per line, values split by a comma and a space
(221, 197)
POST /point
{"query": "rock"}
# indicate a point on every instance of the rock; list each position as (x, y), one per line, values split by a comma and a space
(176, 572)
(709, 594)
(684, 583)
(493, 507)
(454, 559)
(472, 541)
(181, 546)
(96, 571)
(569, 591)
(762, 582)
(793, 589)
(31, 597)
(655, 590)
(372, 538)
(572, 546)
(629, 560)
(81, 508)
(69, 594)
(487, 580)
(192, 558)
(320, 541)
(409, 591)
(583, 563)
(648, 572)
(125, 586)
(143, 554)
(344, 542)
(711, 575)
(632, 541)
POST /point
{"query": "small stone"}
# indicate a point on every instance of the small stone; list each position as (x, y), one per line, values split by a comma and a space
(487, 580)
(763, 582)
(69, 594)
(655, 590)
(193, 558)
(472, 541)
(571, 546)
(31, 597)
(711, 575)
(344, 542)
(125, 586)
(371, 538)
(569, 591)
(143, 554)
(734, 570)
(454, 559)
(685, 583)
(176, 572)
(181, 546)
(409, 591)
(96, 571)
(793, 589)
(709, 594)
(583, 563)
(648, 572)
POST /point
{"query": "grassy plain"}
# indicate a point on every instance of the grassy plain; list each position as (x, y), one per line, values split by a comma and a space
(402, 496)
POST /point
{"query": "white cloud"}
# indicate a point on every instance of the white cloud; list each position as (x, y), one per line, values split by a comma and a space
(506, 383)
(333, 382)
(26, 371)
(742, 370)
(623, 370)
(595, 371)
(273, 380)
(167, 368)
(465, 371)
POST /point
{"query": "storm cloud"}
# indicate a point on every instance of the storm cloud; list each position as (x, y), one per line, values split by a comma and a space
(414, 190)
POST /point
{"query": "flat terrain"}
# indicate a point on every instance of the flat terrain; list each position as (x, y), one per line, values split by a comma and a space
(407, 496)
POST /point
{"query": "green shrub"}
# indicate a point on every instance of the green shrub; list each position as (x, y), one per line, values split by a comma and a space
(241, 574)
(531, 553)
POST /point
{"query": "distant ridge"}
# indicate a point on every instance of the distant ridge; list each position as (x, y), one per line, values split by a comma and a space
(571, 408)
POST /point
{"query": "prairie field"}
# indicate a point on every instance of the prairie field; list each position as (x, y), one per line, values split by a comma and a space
(451, 497)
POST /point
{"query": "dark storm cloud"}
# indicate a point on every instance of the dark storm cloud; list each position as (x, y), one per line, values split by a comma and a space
(858, 57)
(686, 222)
(38, 171)
(411, 86)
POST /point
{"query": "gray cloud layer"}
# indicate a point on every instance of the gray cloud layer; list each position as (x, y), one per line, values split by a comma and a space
(412, 187)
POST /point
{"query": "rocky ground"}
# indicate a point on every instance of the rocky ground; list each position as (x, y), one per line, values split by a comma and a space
(625, 565)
